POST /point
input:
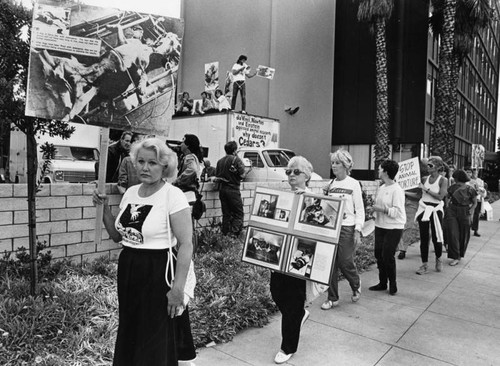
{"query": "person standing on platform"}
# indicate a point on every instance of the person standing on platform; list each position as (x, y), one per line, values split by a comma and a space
(240, 72)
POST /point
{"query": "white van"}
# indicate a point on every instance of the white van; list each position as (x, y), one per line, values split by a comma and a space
(74, 160)
(267, 164)
(72, 164)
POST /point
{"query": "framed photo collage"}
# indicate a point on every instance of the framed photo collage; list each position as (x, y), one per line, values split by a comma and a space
(296, 234)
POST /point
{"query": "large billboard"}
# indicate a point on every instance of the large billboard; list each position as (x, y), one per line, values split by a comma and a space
(103, 66)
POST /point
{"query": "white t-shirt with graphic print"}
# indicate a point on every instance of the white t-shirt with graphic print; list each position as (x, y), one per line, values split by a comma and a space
(143, 221)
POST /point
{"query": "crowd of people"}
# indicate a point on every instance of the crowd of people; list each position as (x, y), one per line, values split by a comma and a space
(155, 207)
(450, 202)
(212, 101)
(215, 100)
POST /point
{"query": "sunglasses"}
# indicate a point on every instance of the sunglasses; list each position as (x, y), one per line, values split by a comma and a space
(294, 171)
(430, 165)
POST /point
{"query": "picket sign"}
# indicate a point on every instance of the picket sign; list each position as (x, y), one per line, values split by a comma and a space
(101, 182)
(408, 175)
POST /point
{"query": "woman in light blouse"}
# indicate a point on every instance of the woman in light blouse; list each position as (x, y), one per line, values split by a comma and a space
(390, 219)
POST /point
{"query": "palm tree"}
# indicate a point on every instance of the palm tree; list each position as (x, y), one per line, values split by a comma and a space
(457, 22)
(376, 13)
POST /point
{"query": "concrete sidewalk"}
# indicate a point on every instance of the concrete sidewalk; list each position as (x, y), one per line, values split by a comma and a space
(447, 318)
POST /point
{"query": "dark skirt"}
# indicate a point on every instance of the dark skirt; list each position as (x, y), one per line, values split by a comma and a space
(147, 336)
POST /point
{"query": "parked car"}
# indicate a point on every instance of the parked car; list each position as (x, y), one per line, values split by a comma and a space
(267, 164)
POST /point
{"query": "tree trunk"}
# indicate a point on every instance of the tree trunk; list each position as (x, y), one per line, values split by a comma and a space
(32, 170)
(382, 149)
(442, 142)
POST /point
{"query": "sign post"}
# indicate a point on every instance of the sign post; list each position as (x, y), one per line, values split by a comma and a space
(101, 182)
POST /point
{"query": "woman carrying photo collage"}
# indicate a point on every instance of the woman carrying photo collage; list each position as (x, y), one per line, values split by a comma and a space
(288, 292)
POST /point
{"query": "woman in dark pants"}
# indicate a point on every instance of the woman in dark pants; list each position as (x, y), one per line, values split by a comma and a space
(390, 219)
(288, 292)
(462, 200)
(430, 213)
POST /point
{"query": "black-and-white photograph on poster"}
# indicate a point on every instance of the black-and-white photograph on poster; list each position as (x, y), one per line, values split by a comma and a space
(319, 215)
(264, 248)
(111, 68)
(282, 215)
(211, 76)
(51, 18)
(272, 207)
(310, 259)
(301, 257)
(266, 72)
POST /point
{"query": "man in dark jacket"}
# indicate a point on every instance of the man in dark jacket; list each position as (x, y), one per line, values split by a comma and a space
(229, 173)
(116, 153)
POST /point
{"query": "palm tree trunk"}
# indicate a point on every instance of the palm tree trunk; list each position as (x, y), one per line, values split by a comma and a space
(442, 142)
(382, 149)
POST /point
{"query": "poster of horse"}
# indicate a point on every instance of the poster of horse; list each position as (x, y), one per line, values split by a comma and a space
(103, 66)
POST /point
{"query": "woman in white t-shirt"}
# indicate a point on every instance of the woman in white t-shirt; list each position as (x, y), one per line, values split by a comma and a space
(346, 187)
(390, 219)
(154, 327)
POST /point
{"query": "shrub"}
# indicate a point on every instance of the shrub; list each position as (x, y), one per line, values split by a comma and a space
(230, 295)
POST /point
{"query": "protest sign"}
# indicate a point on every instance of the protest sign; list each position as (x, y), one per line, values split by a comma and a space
(103, 66)
(254, 131)
(408, 175)
(265, 72)
(294, 234)
(477, 156)
(211, 76)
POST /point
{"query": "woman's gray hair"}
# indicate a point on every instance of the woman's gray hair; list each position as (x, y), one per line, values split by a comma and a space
(303, 164)
(164, 154)
(344, 157)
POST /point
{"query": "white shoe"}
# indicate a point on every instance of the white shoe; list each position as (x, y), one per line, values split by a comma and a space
(328, 304)
(356, 294)
(282, 357)
(305, 317)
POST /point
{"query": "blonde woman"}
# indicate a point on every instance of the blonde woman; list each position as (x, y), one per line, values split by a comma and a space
(430, 213)
(151, 220)
(345, 186)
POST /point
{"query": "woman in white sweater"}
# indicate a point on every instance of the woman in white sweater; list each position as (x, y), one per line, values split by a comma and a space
(350, 234)
(390, 219)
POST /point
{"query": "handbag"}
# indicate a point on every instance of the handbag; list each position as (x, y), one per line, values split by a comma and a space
(191, 276)
(313, 290)
(199, 207)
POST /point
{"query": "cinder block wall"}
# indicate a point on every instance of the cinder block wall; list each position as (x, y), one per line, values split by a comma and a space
(66, 216)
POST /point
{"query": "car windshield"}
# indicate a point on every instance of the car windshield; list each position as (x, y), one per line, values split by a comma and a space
(278, 158)
(76, 153)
